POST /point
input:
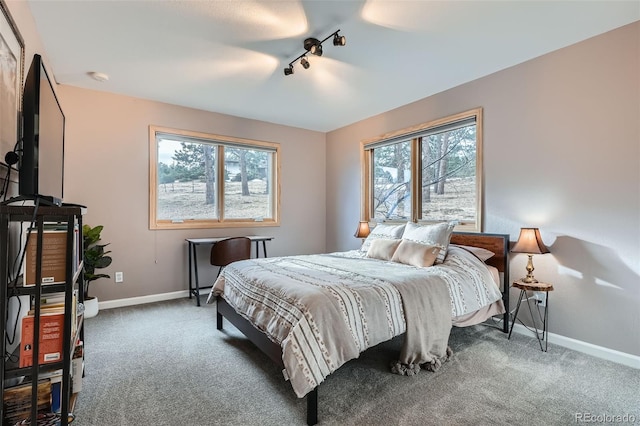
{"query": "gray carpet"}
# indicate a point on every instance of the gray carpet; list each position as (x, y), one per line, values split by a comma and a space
(166, 364)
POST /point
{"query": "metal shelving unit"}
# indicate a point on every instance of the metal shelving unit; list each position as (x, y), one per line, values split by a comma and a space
(35, 218)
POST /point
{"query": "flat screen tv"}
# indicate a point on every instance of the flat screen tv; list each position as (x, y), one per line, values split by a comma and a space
(41, 155)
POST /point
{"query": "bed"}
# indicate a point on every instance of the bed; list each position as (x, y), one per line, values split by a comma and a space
(307, 339)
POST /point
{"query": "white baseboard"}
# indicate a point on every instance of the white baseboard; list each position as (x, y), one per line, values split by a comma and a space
(131, 301)
(587, 348)
(567, 342)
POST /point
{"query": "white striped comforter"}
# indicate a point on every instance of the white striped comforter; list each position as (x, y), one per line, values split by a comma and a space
(324, 310)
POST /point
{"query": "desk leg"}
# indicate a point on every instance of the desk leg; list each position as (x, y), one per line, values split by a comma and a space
(195, 272)
(190, 268)
(264, 248)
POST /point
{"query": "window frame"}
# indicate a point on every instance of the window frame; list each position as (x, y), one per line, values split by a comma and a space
(220, 142)
(414, 135)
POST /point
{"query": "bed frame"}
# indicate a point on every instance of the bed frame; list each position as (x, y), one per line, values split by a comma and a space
(497, 243)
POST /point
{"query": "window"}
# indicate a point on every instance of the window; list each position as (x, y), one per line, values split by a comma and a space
(199, 180)
(392, 181)
(430, 172)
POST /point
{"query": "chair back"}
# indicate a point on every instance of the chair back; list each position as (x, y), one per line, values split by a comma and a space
(230, 250)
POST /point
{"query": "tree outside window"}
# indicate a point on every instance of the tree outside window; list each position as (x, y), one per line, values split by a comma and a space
(200, 180)
(430, 172)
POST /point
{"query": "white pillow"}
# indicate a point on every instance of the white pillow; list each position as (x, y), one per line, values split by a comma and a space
(382, 248)
(383, 230)
(432, 234)
(415, 254)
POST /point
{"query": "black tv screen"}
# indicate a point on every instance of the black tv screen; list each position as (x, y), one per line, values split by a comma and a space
(41, 166)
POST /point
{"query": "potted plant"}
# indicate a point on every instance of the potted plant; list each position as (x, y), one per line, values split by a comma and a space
(95, 257)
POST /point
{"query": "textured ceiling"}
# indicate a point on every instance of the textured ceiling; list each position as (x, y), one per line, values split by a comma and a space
(228, 56)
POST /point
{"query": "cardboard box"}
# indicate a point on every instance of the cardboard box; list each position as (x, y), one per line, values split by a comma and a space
(54, 257)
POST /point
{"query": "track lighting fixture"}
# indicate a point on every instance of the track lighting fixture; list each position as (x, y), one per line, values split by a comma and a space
(313, 46)
(339, 40)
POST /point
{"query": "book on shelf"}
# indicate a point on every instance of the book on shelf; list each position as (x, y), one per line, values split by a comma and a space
(16, 402)
(52, 298)
(54, 254)
(53, 308)
(55, 379)
(54, 257)
(77, 367)
(50, 339)
(56, 304)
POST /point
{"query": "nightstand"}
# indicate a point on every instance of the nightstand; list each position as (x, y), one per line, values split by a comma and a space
(524, 287)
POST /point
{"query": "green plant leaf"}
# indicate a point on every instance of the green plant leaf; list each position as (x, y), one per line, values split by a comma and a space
(95, 255)
(103, 262)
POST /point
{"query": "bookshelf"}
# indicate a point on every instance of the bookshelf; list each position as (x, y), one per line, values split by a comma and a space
(36, 376)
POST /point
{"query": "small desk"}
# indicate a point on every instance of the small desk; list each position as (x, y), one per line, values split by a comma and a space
(537, 286)
(193, 259)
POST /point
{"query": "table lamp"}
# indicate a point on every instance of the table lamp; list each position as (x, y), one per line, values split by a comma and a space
(529, 242)
(363, 230)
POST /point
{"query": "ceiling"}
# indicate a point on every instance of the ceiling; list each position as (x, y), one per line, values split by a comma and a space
(229, 56)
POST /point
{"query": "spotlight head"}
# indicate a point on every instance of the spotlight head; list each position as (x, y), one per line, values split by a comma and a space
(305, 63)
(313, 46)
(339, 40)
(288, 70)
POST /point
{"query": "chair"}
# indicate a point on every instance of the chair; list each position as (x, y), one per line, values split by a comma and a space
(230, 250)
(224, 252)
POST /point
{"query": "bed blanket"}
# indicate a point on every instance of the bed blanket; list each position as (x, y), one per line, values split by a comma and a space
(428, 325)
(324, 310)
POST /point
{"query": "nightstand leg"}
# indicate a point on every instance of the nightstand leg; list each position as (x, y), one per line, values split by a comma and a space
(535, 326)
(545, 332)
(515, 316)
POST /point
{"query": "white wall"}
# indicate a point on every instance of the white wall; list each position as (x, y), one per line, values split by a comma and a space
(562, 153)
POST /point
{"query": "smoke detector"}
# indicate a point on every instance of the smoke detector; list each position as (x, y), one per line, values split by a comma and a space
(98, 76)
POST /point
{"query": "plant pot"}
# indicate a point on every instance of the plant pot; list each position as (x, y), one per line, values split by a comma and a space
(91, 307)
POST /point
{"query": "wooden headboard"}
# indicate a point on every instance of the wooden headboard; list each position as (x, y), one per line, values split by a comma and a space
(499, 244)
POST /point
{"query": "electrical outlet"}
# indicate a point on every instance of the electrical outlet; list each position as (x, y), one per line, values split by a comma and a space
(119, 277)
(541, 298)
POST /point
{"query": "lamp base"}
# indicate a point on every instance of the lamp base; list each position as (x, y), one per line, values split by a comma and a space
(529, 278)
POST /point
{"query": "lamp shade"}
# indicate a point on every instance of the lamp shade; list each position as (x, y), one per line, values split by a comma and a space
(363, 229)
(530, 242)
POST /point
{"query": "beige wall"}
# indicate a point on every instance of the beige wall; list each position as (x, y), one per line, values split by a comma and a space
(561, 152)
(107, 169)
